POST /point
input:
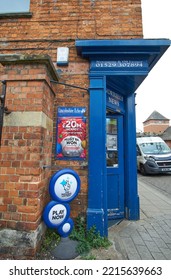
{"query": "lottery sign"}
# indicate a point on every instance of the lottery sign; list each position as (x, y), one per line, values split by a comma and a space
(56, 214)
(64, 186)
(71, 133)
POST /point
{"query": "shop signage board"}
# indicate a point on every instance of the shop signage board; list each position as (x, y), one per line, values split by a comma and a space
(114, 101)
(71, 133)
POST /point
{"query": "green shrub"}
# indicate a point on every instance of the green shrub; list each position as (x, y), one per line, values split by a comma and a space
(50, 239)
(87, 239)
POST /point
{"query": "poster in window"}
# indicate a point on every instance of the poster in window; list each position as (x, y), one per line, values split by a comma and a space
(71, 133)
(112, 142)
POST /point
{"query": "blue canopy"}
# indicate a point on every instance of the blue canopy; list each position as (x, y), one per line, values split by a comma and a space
(126, 63)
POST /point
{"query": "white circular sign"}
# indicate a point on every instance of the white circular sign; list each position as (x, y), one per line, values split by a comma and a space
(57, 214)
(65, 186)
(66, 227)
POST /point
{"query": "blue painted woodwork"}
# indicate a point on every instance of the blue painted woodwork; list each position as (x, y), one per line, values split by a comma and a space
(131, 194)
(119, 66)
(128, 79)
(97, 196)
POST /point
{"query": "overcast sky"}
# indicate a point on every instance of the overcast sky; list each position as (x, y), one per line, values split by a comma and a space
(155, 91)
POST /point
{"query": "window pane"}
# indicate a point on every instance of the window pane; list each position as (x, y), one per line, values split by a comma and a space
(111, 142)
(14, 6)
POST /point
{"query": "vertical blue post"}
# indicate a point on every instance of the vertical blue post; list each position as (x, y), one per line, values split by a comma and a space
(131, 188)
(97, 192)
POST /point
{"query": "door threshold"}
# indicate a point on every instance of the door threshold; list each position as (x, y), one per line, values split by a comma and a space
(114, 222)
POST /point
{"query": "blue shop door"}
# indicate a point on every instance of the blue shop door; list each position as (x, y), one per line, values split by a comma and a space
(115, 167)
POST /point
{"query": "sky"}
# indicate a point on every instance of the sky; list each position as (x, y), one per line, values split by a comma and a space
(155, 92)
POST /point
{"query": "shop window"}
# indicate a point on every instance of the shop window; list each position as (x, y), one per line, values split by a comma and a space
(14, 6)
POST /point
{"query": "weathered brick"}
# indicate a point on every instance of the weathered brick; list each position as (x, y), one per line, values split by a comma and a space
(3, 208)
(17, 201)
(26, 209)
(12, 208)
(4, 193)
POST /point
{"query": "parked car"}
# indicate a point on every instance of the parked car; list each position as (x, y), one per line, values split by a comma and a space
(153, 155)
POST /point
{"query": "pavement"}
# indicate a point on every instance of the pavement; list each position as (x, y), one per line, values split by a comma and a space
(146, 239)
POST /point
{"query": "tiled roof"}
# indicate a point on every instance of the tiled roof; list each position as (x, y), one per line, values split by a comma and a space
(166, 135)
(156, 116)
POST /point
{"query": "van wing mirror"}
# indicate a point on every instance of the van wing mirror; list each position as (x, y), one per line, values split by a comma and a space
(138, 151)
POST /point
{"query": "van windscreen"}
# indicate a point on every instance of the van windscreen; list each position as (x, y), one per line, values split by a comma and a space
(155, 148)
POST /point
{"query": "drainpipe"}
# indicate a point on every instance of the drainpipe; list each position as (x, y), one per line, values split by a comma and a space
(3, 109)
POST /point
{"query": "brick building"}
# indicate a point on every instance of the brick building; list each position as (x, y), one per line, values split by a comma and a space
(156, 123)
(35, 86)
(166, 136)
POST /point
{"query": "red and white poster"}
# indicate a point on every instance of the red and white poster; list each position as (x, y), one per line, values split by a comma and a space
(71, 133)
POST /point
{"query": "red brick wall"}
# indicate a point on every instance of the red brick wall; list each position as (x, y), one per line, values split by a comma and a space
(53, 24)
(155, 126)
(59, 23)
(26, 146)
(58, 20)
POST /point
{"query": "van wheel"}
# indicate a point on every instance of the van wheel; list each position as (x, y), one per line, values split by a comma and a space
(142, 170)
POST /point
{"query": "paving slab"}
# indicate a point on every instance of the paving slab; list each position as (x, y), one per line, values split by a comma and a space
(146, 239)
(150, 237)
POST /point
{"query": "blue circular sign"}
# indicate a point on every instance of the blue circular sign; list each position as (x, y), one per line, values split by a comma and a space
(64, 185)
(56, 214)
(65, 229)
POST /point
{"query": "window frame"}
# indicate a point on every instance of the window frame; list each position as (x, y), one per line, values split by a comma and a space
(16, 13)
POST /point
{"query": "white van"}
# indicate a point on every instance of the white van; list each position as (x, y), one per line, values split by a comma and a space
(153, 155)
